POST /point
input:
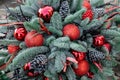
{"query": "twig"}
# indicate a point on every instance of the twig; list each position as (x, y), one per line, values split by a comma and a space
(9, 24)
(43, 27)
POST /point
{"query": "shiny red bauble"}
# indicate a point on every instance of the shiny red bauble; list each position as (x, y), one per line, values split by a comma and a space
(33, 39)
(72, 31)
(88, 14)
(99, 40)
(79, 55)
(12, 49)
(45, 13)
(108, 46)
(86, 4)
(27, 66)
(82, 69)
(20, 33)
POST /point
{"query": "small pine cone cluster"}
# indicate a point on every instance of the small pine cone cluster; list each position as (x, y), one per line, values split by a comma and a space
(38, 64)
(94, 55)
(98, 12)
(64, 9)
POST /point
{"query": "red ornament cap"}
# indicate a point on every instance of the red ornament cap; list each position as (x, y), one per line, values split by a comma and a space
(72, 31)
(79, 55)
(20, 33)
(46, 13)
(99, 40)
(27, 66)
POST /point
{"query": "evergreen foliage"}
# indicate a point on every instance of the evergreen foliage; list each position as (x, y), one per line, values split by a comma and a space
(58, 48)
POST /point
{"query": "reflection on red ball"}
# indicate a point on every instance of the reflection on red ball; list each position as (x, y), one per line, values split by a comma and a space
(45, 13)
(99, 40)
(20, 33)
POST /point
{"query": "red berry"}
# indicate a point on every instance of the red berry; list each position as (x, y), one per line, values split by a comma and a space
(27, 66)
(88, 14)
(107, 46)
(99, 40)
(46, 13)
(79, 55)
(82, 69)
(20, 33)
(72, 31)
(33, 39)
(12, 49)
(86, 4)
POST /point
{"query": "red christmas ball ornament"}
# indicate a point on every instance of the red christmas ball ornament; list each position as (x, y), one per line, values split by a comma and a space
(32, 74)
(79, 55)
(99, 40)
(72, 31)
(12, 49)
(46, 13)
(27, 66)
(107, 46)
(33, 39)
(20, 33)
(88, 14)
(86, 4)
(82, 69)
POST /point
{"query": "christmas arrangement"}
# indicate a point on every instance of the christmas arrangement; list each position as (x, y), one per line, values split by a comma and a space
(60, 40)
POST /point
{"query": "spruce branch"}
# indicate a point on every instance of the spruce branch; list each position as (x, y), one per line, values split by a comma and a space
(12, 13)
(22, 13)
(8, 62)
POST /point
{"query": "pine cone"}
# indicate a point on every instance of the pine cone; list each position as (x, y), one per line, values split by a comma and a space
(64, 9)
(98, 12)
(38, 64)
(94, 55)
